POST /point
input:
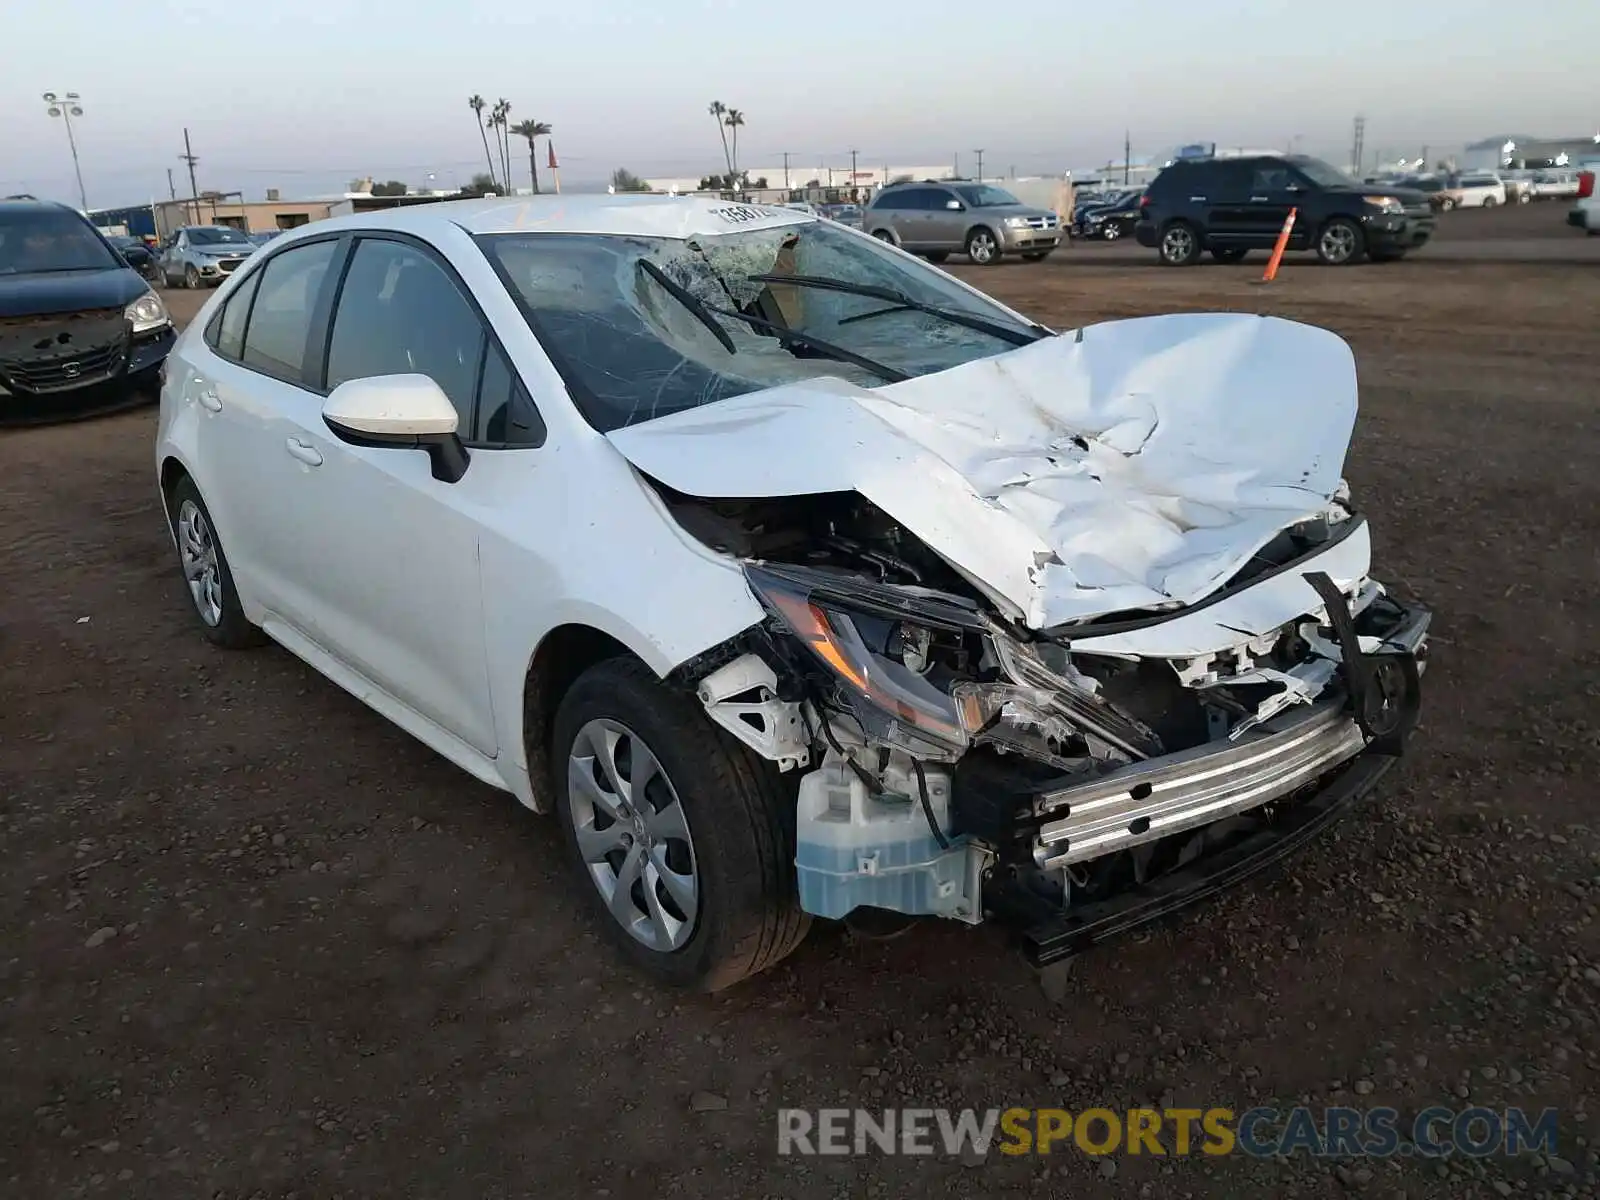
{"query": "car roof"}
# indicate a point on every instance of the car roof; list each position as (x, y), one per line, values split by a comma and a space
(677, 217)
(37, 206)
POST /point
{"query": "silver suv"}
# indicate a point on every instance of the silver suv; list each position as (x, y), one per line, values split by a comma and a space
(203, 255)
(976, 219)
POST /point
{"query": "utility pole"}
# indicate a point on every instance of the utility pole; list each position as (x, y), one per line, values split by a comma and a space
(1358, 150)
(786, 170)
(1127, 153)
(979, 153)
(194, 188)
(955, 168)
(852, 176)
(172, 188)
(66, 107)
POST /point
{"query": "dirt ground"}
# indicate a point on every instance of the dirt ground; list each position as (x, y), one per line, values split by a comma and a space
(257, 942)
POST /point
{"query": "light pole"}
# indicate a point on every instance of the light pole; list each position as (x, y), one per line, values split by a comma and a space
(66, 107)
(979, 153)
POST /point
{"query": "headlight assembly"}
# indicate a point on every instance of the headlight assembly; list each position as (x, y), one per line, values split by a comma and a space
(147, 313)
(1016, 222)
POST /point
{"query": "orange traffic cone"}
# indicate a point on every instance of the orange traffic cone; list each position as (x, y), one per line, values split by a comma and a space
(1271, 272)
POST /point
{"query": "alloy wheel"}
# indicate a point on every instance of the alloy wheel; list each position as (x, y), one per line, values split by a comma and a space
(633, 835)
(1111, 232)
(198, 550)
(1338, 243)
(981, 247)
(1177, 244)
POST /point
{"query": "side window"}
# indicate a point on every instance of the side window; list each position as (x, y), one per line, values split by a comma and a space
(1228, 181)
(280, 320)
(890, 200)
(507, 416)
(227, 332)
(400, 314)
(1268, 178)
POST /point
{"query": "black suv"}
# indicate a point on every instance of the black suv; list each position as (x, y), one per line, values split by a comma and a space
(79, 328)
(1231, 206)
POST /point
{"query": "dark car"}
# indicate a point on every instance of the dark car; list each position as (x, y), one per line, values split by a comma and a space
(1110, 218)
(1231, 206)
(137, 254)
(79, 327)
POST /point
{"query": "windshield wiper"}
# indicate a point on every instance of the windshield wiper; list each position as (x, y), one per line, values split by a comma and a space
(785, 334)
(690, 301)
(900, 302)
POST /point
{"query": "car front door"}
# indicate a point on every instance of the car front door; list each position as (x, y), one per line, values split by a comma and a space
(172, 257)
(945, 227)
(383, 557)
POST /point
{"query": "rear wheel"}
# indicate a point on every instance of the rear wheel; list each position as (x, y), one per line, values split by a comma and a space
(982, 247)
(206, 574)
(681, 839)
(1180, 245)
(1111, 231)
(1231, 255)
(883, 235)
(1341, 242)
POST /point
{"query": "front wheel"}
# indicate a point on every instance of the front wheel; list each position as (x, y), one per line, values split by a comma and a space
(1180, 245)
(1231, 255)
(1111, 231)
(1341, 242)
(191, 277)
(1490, 202)
(982, 247)
(681, 839)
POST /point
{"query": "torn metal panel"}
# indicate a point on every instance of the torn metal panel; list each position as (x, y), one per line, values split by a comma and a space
(1139, 465)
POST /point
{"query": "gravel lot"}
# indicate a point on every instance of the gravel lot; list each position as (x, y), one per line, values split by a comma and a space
(259, 943)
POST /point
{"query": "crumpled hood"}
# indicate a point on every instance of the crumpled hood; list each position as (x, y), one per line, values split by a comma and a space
(1128, 465)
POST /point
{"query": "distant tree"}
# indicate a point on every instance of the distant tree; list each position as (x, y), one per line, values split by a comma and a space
(477, 104)
(392, 188)
(533, 131)
(734, 121)
(811, 183)
(481, 185)
(759, 183)
(718, 183)
(719, 110)
(501, 120)
(624, 180)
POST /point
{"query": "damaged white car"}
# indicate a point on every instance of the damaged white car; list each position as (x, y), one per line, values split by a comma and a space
(794, 576)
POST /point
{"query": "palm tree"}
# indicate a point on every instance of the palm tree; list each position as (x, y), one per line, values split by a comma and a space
(718, 110)
(477, 104)
(734, 120)
(501, 117)
(532, 130)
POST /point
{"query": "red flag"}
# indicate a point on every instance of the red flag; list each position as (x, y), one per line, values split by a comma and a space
(553, 164)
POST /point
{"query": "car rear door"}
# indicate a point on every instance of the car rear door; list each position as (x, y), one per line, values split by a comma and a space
(383, 557)
(913, 208)
(1222, 193)
(944, 228)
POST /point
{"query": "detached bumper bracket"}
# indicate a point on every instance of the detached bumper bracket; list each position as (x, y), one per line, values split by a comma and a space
(1385, 687)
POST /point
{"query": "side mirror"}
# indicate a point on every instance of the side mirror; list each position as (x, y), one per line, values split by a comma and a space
(954, 205)
(403, 411)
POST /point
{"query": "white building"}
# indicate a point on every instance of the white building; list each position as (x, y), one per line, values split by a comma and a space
(808, 177)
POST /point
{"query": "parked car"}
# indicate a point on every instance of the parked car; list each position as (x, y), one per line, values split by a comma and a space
(1231, 206)
(936, 219)
(136, 253)
(1555, 185)
(866, 610)
(79, 327)
(1481, 190)
(1113, 219)
(204, 255)
(1585, 215)
(845, 214)
(1432, 187)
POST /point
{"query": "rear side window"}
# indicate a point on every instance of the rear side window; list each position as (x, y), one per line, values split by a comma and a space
(895, 199)
(399, 313)
(280, 319)
(1268, 178)
(228, 336)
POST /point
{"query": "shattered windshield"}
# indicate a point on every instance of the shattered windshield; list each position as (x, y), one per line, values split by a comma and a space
(640, 327)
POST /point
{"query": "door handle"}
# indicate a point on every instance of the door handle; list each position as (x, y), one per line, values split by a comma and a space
(1197, 199)
(304, 451)
(210, 401)
(1258, 199)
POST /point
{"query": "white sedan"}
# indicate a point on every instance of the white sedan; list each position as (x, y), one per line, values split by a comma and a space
(794, 576)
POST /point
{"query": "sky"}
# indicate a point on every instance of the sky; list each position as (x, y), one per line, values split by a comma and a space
(303, 95)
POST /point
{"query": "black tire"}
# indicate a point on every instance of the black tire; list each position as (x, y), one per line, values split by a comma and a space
(983, 247)
(1036, 256)
(1179, 245)
(1340, 243)
(1111, 231)
(937, 256)
(231, 629)
(1490, 202)
(883, 235)
(739, 812)
(1232, 254)
(191, 277)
